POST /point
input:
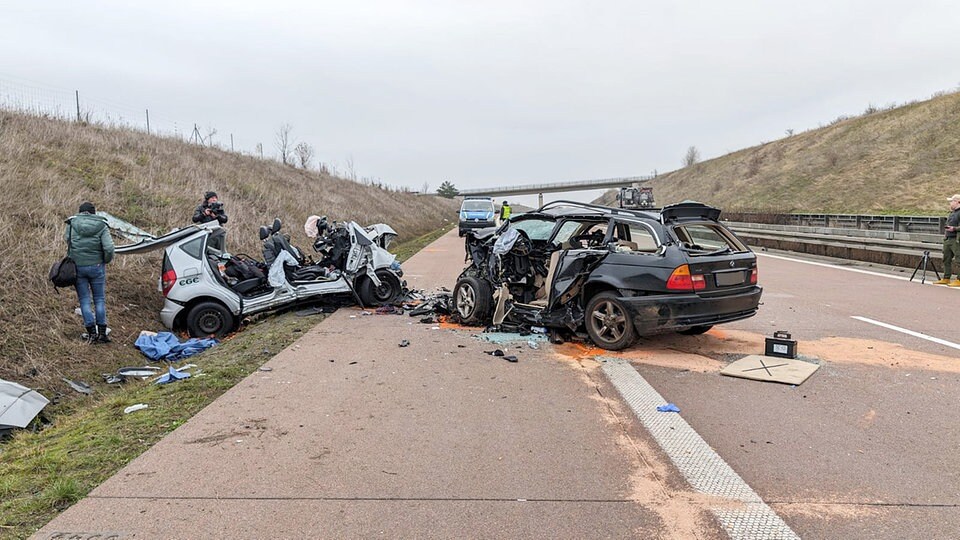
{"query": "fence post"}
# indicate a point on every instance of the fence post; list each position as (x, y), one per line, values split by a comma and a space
(77, 92)
(896, 223)
(148, 121)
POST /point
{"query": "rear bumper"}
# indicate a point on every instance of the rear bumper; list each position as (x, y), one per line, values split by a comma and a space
(169, 313)
(655, 314)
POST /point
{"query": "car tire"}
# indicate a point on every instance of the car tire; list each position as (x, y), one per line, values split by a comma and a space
(387, 293)
(209, 319)
(608, 322)
(472, 300)
(696, 330)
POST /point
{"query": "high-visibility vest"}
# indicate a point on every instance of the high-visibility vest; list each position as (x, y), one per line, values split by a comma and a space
(505, 211)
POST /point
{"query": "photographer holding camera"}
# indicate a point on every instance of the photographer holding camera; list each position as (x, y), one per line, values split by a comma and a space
(209, 210)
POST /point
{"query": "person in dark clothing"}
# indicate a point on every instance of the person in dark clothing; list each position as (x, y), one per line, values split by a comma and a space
(951, 246)
(211, 209)
(89, 244)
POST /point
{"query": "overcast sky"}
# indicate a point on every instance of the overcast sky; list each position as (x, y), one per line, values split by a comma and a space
(489, 93)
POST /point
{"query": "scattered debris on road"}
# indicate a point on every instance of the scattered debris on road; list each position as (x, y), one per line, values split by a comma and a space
(404, 343)
(669, 407)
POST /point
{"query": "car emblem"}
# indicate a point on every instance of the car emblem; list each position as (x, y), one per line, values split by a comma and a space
(732, 264)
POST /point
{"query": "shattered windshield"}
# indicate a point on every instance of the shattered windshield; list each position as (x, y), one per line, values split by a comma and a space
(536, 229)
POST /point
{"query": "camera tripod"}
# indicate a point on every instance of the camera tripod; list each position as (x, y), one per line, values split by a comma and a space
(924, 262)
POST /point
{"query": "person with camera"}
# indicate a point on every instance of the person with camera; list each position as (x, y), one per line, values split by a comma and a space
(90, 246)
(951, 246)
(211, 209)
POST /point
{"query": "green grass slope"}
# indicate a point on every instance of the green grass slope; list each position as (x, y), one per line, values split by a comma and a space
(48, 167)
(904, 160)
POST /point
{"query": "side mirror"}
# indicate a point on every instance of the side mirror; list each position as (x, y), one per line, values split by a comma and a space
(612, 246)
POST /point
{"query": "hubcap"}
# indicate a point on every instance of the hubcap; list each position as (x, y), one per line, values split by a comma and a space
(210, 322)
(608, 322)
(466, 300)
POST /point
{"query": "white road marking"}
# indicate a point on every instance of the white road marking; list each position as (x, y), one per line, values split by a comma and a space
(838, 267)
(703, 468)
(908, 332)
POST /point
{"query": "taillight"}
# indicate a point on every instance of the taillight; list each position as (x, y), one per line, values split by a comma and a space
(753, 276)
(682, 280)
(167, 280)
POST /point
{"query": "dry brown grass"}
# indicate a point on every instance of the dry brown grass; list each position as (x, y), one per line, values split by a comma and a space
(48, 167)
(904, 160)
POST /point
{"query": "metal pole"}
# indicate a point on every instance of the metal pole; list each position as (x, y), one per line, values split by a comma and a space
(78, 104)
(231, 142)
(148, 121)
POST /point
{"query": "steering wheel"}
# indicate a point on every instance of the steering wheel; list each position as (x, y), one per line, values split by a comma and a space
(523, 246)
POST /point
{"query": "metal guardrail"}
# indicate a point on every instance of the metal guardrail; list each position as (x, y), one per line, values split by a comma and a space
(891, 248)
(910, 224)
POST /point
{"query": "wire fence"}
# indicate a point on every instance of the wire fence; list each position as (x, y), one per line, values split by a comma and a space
(37, 99)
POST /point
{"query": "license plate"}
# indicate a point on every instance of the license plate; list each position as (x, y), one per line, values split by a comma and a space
(725, 279)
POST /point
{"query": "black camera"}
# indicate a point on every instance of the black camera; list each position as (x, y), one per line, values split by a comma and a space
(216, 207)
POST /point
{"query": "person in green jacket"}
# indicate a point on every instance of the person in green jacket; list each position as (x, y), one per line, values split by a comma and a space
(90, 246)
(505, 211)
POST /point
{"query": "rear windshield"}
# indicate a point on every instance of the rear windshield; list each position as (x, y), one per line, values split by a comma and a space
(707, 239)
(477, 206)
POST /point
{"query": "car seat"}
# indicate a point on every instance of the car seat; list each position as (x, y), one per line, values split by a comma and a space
(543, 295)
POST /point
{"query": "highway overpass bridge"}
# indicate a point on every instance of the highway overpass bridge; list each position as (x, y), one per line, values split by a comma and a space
(556, 187)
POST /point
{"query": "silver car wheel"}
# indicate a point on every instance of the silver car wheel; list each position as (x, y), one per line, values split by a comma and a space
(466, 300)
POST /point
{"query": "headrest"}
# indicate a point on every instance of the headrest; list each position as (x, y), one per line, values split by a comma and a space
(276, 226)
(264, 232)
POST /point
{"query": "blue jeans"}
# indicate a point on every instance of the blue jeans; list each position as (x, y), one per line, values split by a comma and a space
(93, 278)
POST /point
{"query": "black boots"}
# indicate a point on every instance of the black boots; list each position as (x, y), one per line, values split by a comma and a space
(91, 335)
(102, 336)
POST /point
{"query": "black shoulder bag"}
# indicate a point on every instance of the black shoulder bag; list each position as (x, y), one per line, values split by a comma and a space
(63, 273)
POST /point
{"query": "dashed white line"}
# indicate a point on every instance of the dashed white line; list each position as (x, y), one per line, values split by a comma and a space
(908, 332)
(703, 468)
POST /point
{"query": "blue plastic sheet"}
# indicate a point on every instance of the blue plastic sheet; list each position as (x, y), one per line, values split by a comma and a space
(166, 346)
(172, 375)
(669, 407)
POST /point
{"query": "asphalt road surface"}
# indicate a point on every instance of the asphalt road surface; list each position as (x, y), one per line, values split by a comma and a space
(352, 436)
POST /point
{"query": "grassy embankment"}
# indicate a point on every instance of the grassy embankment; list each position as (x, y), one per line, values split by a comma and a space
(905, 160)
(48, 167)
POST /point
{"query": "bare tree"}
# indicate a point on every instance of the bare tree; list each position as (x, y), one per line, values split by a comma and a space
(692, 157)
(260, 150)
(425, 188)
(304, 154)
(284, 143)
(351, 171)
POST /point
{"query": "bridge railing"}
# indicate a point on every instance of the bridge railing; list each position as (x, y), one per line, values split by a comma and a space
(556, 186)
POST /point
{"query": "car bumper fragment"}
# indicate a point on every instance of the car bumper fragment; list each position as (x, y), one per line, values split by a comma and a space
(655, 314)
(169, 312)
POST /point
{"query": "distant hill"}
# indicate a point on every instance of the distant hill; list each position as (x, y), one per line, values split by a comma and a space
(903, 160)
(48, 167)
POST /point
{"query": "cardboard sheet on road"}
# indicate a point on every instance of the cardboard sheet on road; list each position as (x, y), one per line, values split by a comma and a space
(771, 369)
